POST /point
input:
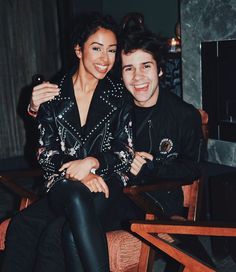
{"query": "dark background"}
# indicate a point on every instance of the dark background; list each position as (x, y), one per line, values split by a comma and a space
(35, 39)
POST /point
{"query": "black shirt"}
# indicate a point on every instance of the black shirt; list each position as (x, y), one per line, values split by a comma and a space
(142, 124)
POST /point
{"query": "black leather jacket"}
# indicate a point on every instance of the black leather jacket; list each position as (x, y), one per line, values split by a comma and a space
(107, 134)
(173, 135)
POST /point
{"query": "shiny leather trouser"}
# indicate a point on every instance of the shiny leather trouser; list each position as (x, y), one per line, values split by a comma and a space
(83, 235)
(34, 234)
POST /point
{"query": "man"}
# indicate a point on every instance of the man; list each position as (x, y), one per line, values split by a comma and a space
(168, 130)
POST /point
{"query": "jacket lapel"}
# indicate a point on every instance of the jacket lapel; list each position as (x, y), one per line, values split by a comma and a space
(67, 114)
(101, 108)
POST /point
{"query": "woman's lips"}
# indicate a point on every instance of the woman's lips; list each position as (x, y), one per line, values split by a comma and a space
(101, 68)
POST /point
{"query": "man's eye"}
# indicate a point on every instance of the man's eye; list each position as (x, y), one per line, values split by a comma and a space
(128, 69)
(147, 66)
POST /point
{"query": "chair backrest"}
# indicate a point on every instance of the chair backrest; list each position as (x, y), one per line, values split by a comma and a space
(192, 191)
(191, 199)
(205, 119)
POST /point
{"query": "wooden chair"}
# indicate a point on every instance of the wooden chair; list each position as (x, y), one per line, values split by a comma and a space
(126, 252)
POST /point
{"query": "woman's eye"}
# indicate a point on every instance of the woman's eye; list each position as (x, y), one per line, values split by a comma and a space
(112, 50)
(96, 48)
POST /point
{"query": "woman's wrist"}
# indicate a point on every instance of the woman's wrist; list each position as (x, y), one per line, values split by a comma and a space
(94, 163)
(31, 112)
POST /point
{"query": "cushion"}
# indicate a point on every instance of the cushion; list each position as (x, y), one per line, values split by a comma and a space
(124, 250)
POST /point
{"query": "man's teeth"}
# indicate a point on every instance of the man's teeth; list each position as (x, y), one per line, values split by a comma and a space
(140, 86)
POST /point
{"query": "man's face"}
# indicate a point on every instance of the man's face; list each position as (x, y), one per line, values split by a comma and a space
(140, 76)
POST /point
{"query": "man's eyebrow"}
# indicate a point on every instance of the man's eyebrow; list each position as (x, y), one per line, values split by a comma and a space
(103, 44)
(125, 66)
(143, 63)
(147, 62)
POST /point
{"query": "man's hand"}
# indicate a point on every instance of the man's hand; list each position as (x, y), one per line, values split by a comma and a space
(139, 161)
(96, 184)
(79, 169)
(42, 93)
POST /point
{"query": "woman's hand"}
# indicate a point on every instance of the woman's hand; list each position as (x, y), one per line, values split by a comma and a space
(139, 161)
(96, 184)
(42, 93)
(79, 169)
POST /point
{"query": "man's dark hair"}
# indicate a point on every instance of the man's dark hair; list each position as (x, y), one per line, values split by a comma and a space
(88, 24)
(137, 36)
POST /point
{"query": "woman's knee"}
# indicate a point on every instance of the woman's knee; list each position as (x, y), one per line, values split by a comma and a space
(78, 196)
(69, 194)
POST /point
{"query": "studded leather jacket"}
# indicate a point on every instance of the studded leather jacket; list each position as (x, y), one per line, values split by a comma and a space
(107, 134)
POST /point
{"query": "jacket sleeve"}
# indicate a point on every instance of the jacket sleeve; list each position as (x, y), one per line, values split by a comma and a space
(120, 156)
(50, 152)
(186, 164)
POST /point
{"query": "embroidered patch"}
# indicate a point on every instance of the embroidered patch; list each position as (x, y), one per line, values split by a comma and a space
(165, 146)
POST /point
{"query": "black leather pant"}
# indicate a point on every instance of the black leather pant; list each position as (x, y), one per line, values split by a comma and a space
(83, 211)
(88, 216)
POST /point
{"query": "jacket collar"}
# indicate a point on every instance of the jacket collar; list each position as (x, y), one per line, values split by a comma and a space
(101, 108)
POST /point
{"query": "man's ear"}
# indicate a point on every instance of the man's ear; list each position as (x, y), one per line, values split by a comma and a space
(160, 73)
(78, 52)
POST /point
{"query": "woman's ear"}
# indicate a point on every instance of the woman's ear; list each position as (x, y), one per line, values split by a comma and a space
(78, 52)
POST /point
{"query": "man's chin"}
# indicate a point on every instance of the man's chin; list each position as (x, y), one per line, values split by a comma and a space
(140, 103)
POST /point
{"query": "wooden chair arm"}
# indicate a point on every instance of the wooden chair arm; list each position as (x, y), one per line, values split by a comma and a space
(135, 193)
(160, 185)
(185, 227)
(7, 179)
(22, 173)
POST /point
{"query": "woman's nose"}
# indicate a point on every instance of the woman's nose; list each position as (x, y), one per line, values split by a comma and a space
(104, 56)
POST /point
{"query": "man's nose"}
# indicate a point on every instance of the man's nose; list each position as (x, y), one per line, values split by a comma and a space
(137, 74)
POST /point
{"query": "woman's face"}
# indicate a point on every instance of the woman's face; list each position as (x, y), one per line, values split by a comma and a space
(97, 57)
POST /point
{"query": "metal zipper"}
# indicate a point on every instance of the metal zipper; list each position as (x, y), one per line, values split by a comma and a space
(150, 135)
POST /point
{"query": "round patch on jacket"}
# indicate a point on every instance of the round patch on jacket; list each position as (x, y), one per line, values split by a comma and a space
(165, 146)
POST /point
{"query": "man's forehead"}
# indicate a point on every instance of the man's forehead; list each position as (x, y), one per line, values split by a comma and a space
(137, 54)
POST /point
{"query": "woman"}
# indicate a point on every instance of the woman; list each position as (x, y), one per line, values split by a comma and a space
(86, 144)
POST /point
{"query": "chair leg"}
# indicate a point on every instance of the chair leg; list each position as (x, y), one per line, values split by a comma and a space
(146, 259)
(143, 261)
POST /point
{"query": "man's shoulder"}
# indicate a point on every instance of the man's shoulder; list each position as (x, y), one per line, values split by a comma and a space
(178, 104)
(180, 110)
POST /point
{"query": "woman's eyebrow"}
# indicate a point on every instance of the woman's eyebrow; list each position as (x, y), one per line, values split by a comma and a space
(103, 44)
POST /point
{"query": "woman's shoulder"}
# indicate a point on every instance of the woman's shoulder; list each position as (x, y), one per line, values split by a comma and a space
(117, 92)
(116, 87)
(114, 82)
